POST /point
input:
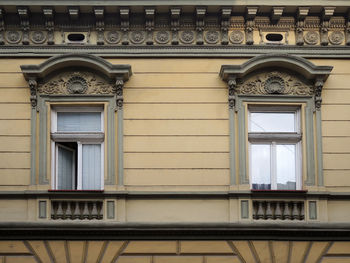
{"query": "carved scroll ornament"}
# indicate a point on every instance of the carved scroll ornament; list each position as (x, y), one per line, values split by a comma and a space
(76, 83)
(270, 83)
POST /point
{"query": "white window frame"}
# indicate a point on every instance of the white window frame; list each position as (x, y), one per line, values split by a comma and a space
(80, 138)
(274, 138)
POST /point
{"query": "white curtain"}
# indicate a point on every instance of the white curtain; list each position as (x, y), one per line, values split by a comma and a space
(91, 167)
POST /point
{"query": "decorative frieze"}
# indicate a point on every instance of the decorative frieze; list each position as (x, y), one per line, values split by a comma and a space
(174, 27)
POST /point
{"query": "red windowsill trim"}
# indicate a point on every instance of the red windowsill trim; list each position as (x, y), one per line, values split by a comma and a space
(54, 190)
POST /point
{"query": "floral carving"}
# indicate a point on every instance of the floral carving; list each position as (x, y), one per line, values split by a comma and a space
(76, 83)
(13, 37)
(38, 37)
(336, 38)
(212, 37)
(311, 38)
(162, 37)
(236, 37)
(187, 37)
(274, 83)
(137, 37)
(112, 37)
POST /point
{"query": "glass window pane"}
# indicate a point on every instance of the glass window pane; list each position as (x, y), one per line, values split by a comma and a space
(91, 166)
(286, 163)
(272, 122)
(261, 166)
(78, 121)
(65, 168)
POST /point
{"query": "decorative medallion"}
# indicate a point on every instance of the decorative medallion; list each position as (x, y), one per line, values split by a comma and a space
(270, 83)
(336, 38)
(112, 37)
(76, 85)
(13, 37)
(311, 38)
(137, 37)
(274, 85)
(162, 37)
(236, 37)
(38, 37)
(187, 37)
(212, 37)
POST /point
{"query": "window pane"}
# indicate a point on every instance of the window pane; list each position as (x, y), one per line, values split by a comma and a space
(272, 122)
(78, 121)
(65, 168)
(260, 166)
(91, 166)
(285, 155)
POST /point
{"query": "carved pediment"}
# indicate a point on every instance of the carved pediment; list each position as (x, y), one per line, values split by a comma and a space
(74, 83)
(274, 83)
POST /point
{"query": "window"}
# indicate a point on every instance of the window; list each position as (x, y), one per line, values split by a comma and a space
(77, 136)
(274, 136)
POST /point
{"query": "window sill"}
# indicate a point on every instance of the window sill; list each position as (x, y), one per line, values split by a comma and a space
(74, 191)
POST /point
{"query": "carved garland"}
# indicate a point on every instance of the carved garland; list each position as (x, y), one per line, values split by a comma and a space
(273, 83)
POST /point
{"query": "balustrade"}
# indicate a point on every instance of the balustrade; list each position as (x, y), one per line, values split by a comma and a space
(88, 210)
(282, 210)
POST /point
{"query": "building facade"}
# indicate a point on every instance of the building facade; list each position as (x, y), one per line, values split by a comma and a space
(174, 131)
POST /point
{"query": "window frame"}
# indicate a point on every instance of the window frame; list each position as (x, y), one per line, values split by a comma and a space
(276, 138)
(81, 138)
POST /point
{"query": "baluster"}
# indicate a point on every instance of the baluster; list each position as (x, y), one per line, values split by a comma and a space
(268, 210)
(86, 210)
(302, 212)
(255, 209)
(295, 212)
(76, 211)
(68, 214)
(260, 211)
(286, 214)
(54, 207)
(278, 212)
(59, 210)
(94, 214)
(99, 210)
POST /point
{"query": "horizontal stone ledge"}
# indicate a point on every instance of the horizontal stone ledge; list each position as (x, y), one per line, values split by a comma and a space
(56, 230)
(177, 51)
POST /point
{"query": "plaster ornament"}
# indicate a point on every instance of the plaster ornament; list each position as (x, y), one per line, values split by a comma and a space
(212, 37)
(137, 37)
(162, 37)
(236, 37)
(311, 38)
(274, 85)
(336, 38)
(76, 85)
(112, 37)
(187, 37)
(13, 37)
(38, 37)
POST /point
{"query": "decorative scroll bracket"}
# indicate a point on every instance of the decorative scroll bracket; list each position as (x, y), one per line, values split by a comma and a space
(232, 84)
(119, 84)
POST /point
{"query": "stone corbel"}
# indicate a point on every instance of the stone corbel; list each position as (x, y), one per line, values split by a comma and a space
(175, 24)
(319, 82)
(225, 23)
(232, 84)
(33, 92)
(276, 14)
(326, 16)
(24, 17)
(249, 24)
(2, 26)
(124, 24)
(49, 24)
(100, 24)
(200, 14)
(119, 84)
(149, 15)
(299, 29)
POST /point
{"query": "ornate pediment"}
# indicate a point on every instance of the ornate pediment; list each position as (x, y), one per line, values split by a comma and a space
(74, 83)
(274, 83)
